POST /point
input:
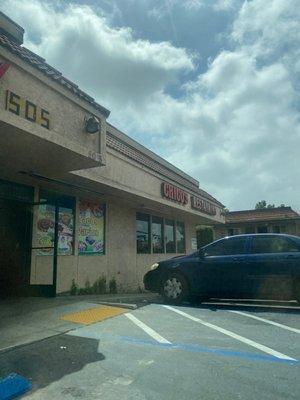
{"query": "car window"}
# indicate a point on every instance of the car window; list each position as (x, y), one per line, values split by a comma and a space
(273, 245)
(226, 247)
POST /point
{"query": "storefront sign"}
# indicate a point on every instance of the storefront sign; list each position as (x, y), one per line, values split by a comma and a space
(26, 109)
(203, 205)
(174, 193)
(91, 228)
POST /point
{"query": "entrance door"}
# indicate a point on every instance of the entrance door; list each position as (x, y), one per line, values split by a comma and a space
(15, 226)
(44, 249)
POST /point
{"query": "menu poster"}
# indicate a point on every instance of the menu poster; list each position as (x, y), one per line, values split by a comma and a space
(45, 230)
(65, 231)
(91, 228)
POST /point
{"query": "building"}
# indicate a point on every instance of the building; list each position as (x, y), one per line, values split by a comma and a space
(79, 199)
(266, 220)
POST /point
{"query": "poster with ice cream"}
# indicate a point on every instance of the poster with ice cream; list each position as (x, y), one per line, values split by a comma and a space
(91, 228)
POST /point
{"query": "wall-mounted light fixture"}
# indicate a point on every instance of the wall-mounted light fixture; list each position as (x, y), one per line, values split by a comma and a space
(92, 124)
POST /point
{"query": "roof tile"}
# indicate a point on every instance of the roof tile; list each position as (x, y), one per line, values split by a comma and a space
(261, 215)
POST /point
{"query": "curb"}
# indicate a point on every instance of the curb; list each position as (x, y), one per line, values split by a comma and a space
(122, 305)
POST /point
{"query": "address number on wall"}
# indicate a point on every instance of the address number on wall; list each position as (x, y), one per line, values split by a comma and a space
(26, 109)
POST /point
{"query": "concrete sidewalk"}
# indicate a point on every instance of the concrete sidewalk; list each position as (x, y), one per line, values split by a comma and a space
(28, 319)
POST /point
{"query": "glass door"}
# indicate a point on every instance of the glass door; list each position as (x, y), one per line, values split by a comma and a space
(44, 248)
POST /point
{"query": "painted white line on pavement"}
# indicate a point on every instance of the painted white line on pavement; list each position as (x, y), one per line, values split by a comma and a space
(242, 339)
(147, 329)
(288, 328)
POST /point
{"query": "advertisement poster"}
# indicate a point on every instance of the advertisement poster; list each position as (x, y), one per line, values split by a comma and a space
(45, 230)
(91, 228)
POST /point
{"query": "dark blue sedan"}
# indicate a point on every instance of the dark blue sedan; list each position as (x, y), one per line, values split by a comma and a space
(265, 266)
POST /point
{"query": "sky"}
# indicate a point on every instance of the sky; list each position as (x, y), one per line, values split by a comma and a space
(211, 86)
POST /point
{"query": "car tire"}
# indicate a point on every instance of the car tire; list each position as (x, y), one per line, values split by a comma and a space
(174, 288)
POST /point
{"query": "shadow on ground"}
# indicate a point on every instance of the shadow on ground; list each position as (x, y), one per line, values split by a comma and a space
(49, 360)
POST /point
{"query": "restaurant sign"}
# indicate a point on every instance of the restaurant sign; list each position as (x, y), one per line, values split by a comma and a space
(178, 195)
(174, 193)
(203, 205)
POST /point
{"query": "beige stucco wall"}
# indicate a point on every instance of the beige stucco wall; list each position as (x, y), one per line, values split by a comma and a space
(129, 176)
(67, 112)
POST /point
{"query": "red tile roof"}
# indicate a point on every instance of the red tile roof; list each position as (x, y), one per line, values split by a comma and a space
(38, 62)
(265, 214)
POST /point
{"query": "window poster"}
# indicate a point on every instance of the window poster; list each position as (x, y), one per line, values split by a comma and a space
(45, 230)
(65, 231)
(91, 228)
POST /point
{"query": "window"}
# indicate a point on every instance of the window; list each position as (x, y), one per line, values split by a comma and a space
(143, 233)
(91, 228)
(180, 237)
(170, 236)
(276, 229)
(273, 245)
(226, 247)
(262, 229)
(233, 231)
(249, 229)
(215, 249)
(157, 235)
(45, 223)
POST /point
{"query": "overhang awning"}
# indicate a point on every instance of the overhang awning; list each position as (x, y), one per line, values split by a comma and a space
(25, 146)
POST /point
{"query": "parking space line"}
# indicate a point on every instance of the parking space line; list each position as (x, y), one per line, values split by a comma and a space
(233, 335)
(267, 321)
(147, 329)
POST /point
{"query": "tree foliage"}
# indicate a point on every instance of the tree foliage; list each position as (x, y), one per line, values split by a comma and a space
(263, 204)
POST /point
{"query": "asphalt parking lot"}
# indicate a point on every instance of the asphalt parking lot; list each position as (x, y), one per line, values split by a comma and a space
(161, 352)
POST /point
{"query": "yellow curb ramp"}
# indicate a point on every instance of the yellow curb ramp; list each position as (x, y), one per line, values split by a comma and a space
(92, 315)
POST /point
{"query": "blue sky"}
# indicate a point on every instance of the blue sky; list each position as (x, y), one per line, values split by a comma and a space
(212, 86)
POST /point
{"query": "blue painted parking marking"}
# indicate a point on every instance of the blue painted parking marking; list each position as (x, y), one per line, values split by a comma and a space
(12, 386)
(195, 348)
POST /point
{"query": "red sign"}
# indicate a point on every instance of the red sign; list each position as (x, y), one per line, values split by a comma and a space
(3, 68)
(174, 193)
(203, 205)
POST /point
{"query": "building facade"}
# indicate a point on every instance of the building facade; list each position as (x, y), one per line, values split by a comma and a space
(267, 220)
(79, 199)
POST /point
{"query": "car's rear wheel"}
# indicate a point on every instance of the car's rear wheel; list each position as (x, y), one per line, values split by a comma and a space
(174, 288)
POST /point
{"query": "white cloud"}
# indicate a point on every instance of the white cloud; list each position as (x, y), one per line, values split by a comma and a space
(107, 61)
(235, 127)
